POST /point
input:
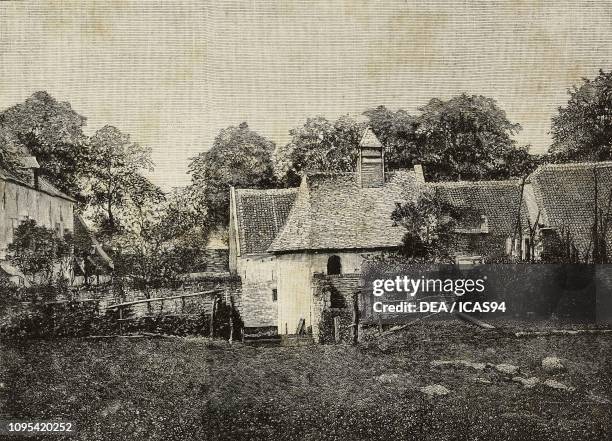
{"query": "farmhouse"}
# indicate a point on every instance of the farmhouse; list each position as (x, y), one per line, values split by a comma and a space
(32, 197)
(284, 244)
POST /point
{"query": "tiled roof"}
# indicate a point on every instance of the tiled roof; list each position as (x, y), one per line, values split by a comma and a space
(497, 200)
(566, 194)
(261, 214)
(44, 185)
(333, 212)
(369, 139)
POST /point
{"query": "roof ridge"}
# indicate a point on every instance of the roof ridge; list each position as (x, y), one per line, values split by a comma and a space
(500, 183)
(585, 164)
(266, 190)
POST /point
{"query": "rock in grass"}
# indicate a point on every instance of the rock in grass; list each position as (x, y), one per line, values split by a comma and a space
(434, 390)
(558, 385)
(552, 364)
(527, 382)
(459, 363)
(508, 369)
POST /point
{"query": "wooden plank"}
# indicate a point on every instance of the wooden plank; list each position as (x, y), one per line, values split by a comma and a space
(300, 326)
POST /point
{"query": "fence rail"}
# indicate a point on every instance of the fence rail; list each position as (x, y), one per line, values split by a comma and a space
(161, 299)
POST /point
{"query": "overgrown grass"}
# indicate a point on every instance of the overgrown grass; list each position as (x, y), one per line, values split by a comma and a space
(175, 389)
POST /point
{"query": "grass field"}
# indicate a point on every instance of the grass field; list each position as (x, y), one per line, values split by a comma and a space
(175, 389)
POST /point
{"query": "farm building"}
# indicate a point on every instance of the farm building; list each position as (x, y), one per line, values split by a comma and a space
(30, 197)
(285, 242)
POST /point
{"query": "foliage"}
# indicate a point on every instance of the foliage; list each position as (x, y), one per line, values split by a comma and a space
(582, 131)
(430, 223)
(114, 179)
(239, 157)
(38, 250)
(319, 145)
(51, 131)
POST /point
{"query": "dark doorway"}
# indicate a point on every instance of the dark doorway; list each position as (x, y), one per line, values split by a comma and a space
(334, 266)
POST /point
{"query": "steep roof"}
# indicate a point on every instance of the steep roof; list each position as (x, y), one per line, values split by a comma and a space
(566, 195)
(332, 211)
(260, 215)
(497, 200)
(369, 139)
(43, 185)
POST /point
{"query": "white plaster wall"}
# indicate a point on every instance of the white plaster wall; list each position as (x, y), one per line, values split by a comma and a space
(258, 276)
(18, 203)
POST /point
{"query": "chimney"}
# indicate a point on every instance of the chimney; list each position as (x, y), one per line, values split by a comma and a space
(418, 173)
(31, 164)
(371, 164)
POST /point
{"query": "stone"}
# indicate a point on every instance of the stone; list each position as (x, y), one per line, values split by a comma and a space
(508, 369)
(527, 382)
(554, 384)
(552, 364)
(459, 363)
(481, 380)
(434, 390)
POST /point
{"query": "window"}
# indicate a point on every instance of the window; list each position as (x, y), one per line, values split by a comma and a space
(334, 266)
(274, 295)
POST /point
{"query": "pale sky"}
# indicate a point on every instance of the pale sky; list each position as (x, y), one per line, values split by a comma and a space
(173, 73)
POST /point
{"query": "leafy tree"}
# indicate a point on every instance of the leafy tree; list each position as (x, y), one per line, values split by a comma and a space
(52, 131)
(239, 157)
(582, 131)
(399, 133)
(463, 138)
(38, 250)
(319, 145)
(430, 224)
(466, 138)
(114, 179)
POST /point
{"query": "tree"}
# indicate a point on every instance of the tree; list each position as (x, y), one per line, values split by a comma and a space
(239, 157)
(114, 178)
(430, 224)
(582, 131)
(398, 132)
(38, 250)
(52, 131)
(467, 138)
(319, 145)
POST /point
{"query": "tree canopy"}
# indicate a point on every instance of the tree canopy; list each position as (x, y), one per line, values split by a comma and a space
(114, 176)
(319, 145)
(239, 157)
(582, 130)
(53, 132)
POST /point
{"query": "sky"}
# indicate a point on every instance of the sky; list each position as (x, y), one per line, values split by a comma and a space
(173, 73)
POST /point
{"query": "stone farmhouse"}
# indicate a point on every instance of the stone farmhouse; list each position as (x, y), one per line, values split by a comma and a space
(286, 243)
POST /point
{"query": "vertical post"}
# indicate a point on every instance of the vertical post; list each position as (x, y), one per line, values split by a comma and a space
(212, 316)
(120, 320)
(337, 329)
(231, 320)
(355, 325)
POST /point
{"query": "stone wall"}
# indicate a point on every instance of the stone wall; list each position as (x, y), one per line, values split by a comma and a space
(333, 296)
(217, 260)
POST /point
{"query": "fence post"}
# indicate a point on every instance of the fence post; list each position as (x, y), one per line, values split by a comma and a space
(337, 329)
(212, 316)
(355, 325)
(120, 320)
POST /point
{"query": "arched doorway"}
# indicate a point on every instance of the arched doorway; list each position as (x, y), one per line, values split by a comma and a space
(334, 266)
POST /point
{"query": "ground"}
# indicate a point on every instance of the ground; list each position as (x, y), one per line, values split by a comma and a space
(173, 388)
